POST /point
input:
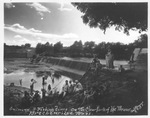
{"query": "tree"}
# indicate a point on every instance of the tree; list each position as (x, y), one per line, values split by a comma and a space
(27, 45)
(44, 49)
(119, 51)
(124, 16)
(142, 41)
(89, 46)
(48, 49)
(38, 49)
(76, 48)
(58, 47)
(101, 49)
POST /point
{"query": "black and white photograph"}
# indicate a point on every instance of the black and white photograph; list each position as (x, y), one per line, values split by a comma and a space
(67, 58)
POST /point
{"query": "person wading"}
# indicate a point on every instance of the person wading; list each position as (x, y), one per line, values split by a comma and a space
(20, 81)
(32, 85)
(44, 85)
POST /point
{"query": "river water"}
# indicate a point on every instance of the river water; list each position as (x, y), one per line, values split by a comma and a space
(26, 77)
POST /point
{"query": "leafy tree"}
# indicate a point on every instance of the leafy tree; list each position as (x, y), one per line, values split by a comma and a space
(124, 16)
(47, 44)
(89, 46)
(44, 49)
(27, 45)
(142, 41)
(119, 50)
(58, 47)
(38, 48)
(101, 50)
(76, 48)
(49, 49)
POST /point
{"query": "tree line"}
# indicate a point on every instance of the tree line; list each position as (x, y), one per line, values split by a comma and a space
(78, 49)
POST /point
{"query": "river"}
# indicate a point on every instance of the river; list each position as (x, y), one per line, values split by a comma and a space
(26, 77)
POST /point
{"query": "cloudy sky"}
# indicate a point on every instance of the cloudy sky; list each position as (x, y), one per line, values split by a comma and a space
(52, 22)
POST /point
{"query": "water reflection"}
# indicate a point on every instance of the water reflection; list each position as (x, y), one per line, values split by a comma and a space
(54, 79)
(41, 73)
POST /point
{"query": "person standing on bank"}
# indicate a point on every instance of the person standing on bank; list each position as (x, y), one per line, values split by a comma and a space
(65, 88)
(109, 59)
(78, 86)
(71, 88)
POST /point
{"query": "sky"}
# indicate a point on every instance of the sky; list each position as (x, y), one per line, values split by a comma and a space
(33, 22)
